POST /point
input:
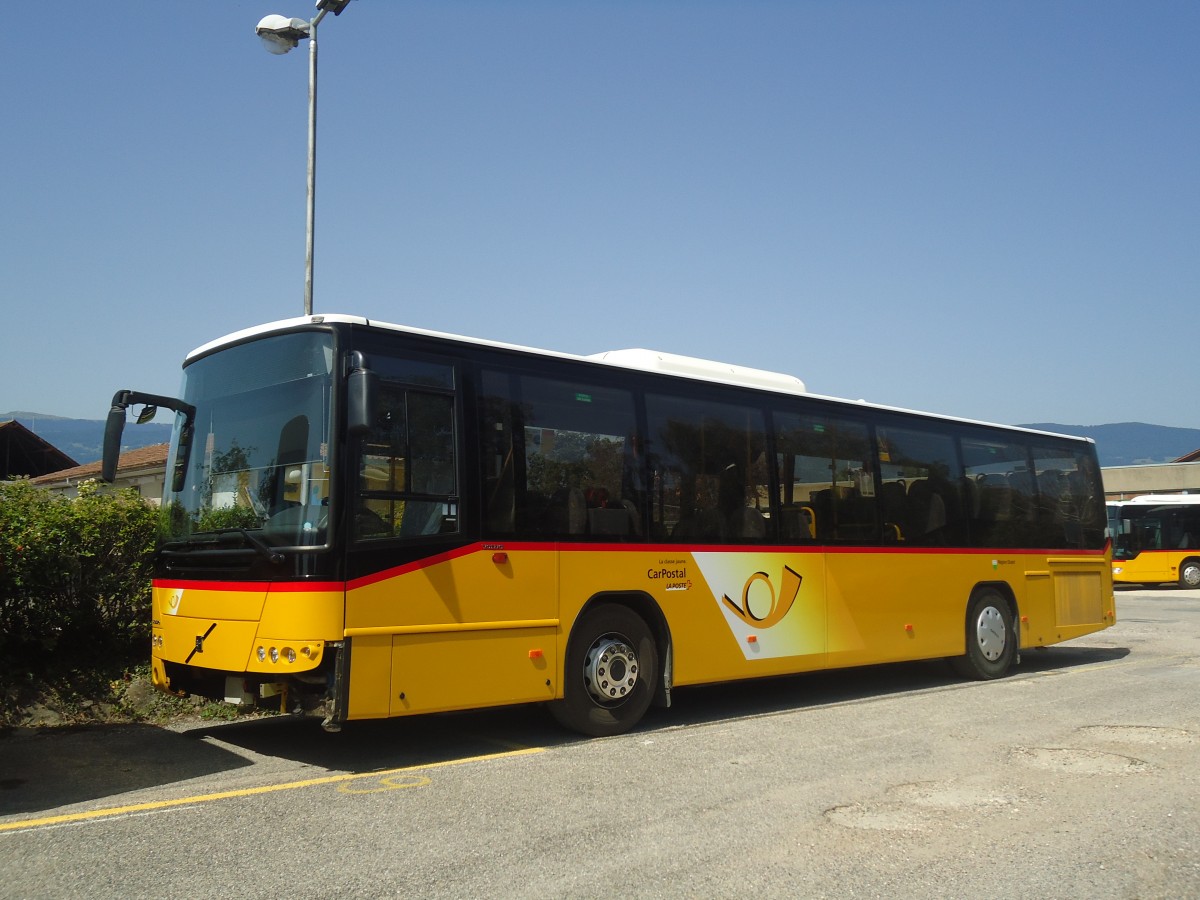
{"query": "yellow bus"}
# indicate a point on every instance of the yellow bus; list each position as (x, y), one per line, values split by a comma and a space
(1156, 539)
(365, 520)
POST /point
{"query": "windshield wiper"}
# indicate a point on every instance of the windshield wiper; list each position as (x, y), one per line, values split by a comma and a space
(209, 541)
(272, 555)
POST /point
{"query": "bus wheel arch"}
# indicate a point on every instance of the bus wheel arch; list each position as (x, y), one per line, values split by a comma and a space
(615, 666)
(991, 633)
(1189, 573)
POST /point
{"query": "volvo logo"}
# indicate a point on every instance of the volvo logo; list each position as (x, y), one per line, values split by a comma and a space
(200, 639)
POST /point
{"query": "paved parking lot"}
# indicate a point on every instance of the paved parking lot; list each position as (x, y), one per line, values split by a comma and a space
(1076, 776)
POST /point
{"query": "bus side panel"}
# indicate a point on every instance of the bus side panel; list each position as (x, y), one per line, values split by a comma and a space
(370, 676)
(471, 628)
(1149, 567)
(1065, 597)
(892, 606)
(766, 611)
(496, 583)
(731, 613)
(439, 671)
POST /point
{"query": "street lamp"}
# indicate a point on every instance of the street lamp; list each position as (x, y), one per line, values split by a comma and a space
(279, 35)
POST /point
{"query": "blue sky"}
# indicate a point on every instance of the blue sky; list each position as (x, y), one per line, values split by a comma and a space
(983, 209)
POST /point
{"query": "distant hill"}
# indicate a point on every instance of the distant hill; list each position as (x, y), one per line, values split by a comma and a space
(1132, 443)
(83, 439)
(1122, 444)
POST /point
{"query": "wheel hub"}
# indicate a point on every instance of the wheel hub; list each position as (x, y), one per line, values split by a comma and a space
(610, 669)
(1191, 574)
(989, 632)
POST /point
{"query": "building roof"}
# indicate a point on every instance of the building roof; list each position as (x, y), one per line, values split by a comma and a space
(24, 453)
(1194, 456)
(154, 456)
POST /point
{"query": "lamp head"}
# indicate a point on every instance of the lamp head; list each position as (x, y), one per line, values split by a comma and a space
(280, 34)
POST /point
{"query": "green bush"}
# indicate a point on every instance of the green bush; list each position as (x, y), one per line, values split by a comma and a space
(74, 579)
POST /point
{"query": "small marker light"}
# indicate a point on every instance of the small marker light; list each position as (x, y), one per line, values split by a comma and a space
(752, 639)
(499, 558)
(262, 654)
(274, 655)
(908, 628)
(535, 654)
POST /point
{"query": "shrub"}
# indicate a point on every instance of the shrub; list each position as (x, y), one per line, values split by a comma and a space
(74, 578)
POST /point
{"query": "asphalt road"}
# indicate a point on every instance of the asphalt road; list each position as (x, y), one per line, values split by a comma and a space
(1074, 777)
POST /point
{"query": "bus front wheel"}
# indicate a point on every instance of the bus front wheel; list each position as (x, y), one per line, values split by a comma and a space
(1189, 573)
(991, 638)
(610, 672)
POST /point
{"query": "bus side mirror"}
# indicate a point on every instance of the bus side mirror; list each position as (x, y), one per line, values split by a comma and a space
(113, 430)
(183, 450)
(362, 396)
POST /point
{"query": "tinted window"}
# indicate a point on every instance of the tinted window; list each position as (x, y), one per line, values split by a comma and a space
(1070, 500)
(708, 470)
(1002, 511)
(407, 475)
(559, 458)
(827, 486)
(920, 487)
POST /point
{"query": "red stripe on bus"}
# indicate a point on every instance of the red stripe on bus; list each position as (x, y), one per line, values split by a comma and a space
(274, 587)
(492, 546)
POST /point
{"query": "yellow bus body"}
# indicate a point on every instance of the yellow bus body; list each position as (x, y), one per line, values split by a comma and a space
(488, 624)
(1151, 567)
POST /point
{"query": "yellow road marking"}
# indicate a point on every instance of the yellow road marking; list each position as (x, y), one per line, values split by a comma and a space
(383, 776)
(388, 783)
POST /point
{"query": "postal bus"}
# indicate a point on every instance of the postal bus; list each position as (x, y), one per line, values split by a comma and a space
(1156, 539)
(365, 520)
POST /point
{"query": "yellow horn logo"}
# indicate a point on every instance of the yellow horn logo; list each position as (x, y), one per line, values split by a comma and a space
(780, 604)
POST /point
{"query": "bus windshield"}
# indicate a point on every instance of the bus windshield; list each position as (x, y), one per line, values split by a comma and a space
(259, 456)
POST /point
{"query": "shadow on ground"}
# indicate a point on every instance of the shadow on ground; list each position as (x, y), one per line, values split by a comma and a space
(47, 769)
(423, 740)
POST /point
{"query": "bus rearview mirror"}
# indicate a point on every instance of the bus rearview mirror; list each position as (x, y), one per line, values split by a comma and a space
(362, 393)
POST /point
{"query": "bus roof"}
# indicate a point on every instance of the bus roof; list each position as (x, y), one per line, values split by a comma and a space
(641, 360)
(1159, 500)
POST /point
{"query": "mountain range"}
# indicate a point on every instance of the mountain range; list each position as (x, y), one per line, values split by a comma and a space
(1121, 444)
(83, 439)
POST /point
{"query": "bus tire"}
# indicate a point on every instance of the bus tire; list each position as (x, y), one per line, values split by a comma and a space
(991, 638)
(1189, 574)
(610, 672)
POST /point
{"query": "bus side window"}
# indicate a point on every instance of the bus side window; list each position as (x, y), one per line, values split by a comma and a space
(407, 477)
(709, 470)
(1070, 510)
(560, 458)
(826, 476)
(1001, 514)
(922, 486)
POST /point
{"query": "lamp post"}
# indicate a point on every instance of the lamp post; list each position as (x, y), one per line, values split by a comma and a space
(279, 35)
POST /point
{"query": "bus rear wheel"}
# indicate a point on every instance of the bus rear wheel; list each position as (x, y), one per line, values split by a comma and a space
(610, 672)
(991, 638)
(1189, 573)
